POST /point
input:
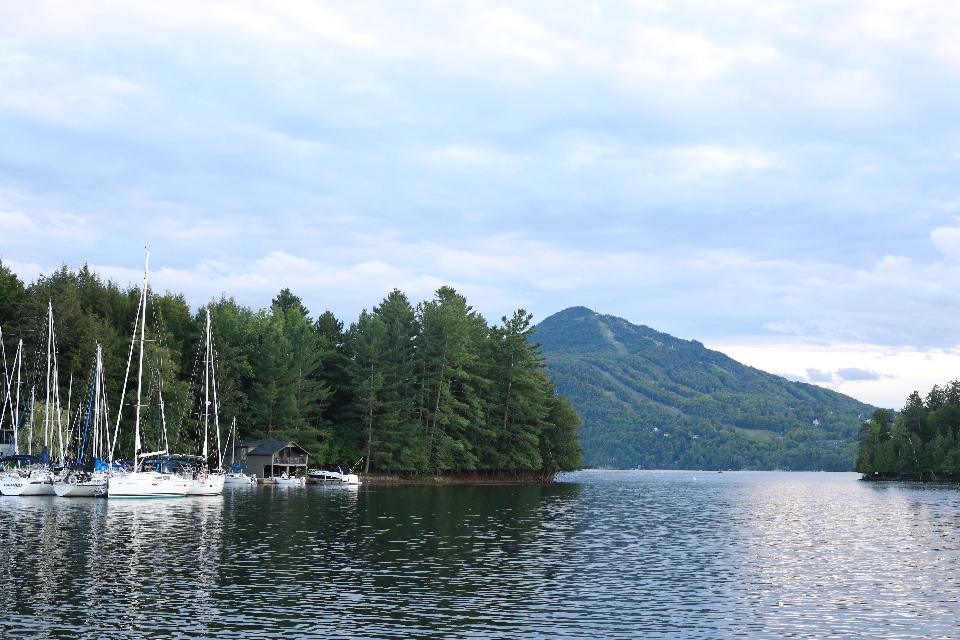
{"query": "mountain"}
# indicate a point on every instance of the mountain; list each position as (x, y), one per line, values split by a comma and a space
(651, 400)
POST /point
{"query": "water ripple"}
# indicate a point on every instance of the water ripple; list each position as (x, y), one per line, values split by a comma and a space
(600, 555)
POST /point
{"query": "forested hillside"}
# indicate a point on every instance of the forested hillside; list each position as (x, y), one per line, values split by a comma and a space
(923, 439)
(413, 388)
(651, 400)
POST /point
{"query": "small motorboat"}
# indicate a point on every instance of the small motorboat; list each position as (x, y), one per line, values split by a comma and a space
(289, 481)
(325, 475)
(329, 475)
(239, 479)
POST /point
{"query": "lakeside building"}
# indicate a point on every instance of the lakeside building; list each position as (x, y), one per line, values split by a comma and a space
(270, 458)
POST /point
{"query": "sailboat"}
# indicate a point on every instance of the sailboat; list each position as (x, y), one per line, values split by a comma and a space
(35, 477)
(236, 476)
(11, 459)
(139, 483)
(90, 480)
(209, 482)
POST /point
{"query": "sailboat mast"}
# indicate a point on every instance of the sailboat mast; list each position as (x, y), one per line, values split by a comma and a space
(59, 410)
(216, 410)
(69, 419)
(46, 412)
(143, 332)
(16, 433)
(8, 399)
(206, 392)
(30, 433)
(96, 450)
(212, 382)
(6, 377)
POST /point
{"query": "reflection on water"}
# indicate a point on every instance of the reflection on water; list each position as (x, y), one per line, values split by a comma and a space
(602, 554)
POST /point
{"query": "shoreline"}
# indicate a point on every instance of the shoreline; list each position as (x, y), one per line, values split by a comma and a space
(922, 476)
(462, 478)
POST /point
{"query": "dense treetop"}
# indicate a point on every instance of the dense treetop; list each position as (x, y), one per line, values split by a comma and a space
(923, 438)
(419, 388)
(652, 400)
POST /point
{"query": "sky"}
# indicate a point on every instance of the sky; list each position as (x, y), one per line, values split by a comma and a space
(777, 180)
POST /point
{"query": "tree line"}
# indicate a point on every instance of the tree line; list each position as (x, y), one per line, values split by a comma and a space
(420, 388)
(923, 438)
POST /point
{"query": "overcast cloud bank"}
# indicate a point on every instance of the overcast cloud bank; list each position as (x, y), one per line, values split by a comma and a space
(740, 173)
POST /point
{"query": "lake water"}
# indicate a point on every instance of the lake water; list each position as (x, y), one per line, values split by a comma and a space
(602, 554)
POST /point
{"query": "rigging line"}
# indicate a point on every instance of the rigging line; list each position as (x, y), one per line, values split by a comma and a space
(143, 331)
(86, 427)
(79, 413)
(46, 407)
(56, 398)
(69, 406)
(162, 407)
(8, 400)
(14, 445)
(126, 376)
(216, 404)
(19, 361)
(194, 384)
(6, 375)
(56, 385)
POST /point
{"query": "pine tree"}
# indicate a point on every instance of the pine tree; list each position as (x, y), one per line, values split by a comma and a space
(449, 406)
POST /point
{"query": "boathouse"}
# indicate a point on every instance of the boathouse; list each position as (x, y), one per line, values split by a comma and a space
(269, 458)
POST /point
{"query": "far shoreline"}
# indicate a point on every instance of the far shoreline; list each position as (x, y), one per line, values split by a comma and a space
(921, 476)
(463, 478)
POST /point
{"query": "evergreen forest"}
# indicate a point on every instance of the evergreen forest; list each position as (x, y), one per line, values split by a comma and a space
(423, 388)
(923, 439)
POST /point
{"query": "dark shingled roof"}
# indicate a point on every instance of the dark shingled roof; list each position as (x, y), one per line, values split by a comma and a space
(269, 447)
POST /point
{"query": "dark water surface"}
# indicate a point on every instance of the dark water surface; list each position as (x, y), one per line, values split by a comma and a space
(600, 555)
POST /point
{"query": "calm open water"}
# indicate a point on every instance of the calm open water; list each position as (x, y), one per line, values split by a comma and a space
(603, 554)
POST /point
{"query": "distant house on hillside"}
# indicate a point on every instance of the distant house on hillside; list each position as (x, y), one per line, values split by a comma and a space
(268, 458)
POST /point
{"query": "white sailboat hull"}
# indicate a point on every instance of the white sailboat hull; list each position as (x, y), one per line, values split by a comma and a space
(210, 484)
(238, 479)
(290, 482)
(81, 490)
(148, 485)
(36, 485)
(93, 488)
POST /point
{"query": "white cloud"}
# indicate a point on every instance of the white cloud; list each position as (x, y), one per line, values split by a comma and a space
(877, 374)
(681, 63)
(63, 93)
(947, 241)
(14, 221)
(465, 156)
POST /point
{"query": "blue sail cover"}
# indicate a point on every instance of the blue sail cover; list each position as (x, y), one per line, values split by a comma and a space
(44, 456)
(237, 467)
(100, 465)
